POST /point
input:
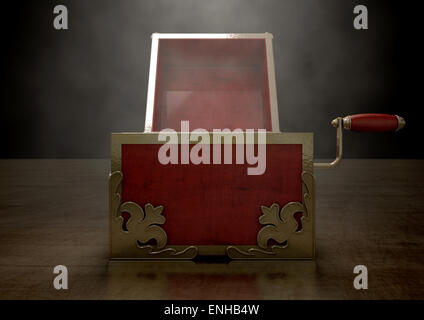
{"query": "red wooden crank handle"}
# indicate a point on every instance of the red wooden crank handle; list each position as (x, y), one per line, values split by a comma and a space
(367, 122)
(372, 122)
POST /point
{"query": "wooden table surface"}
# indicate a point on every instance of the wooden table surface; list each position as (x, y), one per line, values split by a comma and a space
(368, 212)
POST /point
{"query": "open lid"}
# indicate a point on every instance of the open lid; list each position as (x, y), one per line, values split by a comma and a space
(214, 81)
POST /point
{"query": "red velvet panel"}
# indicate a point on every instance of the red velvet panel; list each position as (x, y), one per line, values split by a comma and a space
(213, 83)
(211, 204)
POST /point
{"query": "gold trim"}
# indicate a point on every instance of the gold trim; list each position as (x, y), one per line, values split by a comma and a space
(115, 179)
(189, 252)
(347, 123)
(141, 227)
(280, 226)
(401, 123)
(236, 253)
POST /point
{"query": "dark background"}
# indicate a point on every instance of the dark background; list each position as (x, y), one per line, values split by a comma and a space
(65, 91)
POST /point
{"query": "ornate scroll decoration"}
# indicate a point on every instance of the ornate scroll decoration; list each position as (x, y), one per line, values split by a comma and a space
(143, 226)
(279, 226)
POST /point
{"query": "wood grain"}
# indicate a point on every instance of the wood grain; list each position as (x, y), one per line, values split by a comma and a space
(368, 212)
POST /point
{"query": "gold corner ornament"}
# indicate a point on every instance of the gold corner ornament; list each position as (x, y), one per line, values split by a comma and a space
(145, 224)
(141, 228)
(280, 226)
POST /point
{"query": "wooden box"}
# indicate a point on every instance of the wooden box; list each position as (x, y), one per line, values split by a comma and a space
(183, 210)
